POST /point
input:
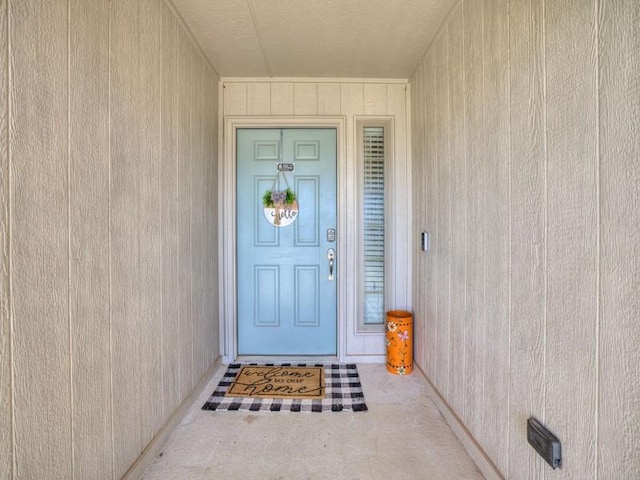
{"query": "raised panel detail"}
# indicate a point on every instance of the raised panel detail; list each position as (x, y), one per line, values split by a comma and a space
(307, 150)
(266, 150)
(266, 235)
(307, 303)
(307, 227)
(267, 294)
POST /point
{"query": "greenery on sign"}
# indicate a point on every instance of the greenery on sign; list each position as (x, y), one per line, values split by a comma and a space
(267, 198)
(291, 197)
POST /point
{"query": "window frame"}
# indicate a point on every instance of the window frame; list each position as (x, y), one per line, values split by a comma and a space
(361, 123)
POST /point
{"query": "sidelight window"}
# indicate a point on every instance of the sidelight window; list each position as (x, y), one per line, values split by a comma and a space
(373, 224)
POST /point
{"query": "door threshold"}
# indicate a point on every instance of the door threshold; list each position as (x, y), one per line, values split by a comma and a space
(286, 358)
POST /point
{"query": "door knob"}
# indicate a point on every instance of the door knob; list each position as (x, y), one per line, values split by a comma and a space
(331, 256)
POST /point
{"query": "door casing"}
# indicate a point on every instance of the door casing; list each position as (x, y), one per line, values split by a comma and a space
(346, 251)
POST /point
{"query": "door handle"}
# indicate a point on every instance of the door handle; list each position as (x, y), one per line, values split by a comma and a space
(331, 256)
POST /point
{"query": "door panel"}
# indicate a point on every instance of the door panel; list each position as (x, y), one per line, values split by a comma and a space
(286, 302)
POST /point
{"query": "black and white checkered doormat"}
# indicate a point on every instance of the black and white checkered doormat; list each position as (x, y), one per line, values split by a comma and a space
(343, 392)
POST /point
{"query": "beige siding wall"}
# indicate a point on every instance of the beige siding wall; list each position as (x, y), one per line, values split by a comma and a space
(108, 286)
(526, 173)
(6, 447)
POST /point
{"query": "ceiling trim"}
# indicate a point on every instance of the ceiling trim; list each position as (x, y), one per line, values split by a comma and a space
(252, 11)
(445, 21)
(192, 37)
(402, 81)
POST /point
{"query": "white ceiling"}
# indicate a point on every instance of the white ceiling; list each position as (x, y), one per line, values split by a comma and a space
(314, 38)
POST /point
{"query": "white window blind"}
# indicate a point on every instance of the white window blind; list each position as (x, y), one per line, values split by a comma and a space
(373, 224)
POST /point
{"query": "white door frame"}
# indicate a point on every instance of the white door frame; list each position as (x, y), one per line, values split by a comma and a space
(346, 251)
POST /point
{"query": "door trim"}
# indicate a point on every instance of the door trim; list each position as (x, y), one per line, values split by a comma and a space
(227, 231)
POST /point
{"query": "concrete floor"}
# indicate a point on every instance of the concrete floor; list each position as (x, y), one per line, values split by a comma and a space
(403, 435)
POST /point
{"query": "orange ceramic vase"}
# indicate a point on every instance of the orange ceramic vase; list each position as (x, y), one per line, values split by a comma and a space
(399, 342)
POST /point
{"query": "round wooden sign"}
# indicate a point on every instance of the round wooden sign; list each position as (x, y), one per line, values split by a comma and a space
(282, 215)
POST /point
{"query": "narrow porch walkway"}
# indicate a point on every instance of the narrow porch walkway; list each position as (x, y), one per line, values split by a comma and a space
(403, 435)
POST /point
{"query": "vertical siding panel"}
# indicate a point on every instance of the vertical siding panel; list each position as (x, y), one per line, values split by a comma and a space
(197, 213)
(125, 235)
(398, 182)
(169, 215)
(204, 146)
(206, 243)
(185, 332)
(494, 430)
(235, 98)
(572, 212)
(419, 214)
(210, 242)
(39, 243)
(202, 104)
(420, 162)
(424, 181)
(619, 371)
(150, 361)
(305, 99)
(474, 251)
(282, 99)
(215, 344)
(528, 174)
(258, 99)
(375, 99)
(457, 194)
(204, 205)
(329, 98)
(196, 244)
(89, 231)
(6, 448)
(443, 240)
(431, 178)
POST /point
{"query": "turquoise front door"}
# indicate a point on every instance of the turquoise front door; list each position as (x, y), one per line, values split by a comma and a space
(286, 280)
